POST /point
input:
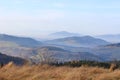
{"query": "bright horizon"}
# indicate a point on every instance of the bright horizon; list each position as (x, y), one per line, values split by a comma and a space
(37, 17)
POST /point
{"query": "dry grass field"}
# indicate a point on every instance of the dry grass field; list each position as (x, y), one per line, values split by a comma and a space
(45, 72)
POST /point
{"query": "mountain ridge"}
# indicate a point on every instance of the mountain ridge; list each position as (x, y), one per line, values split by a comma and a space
(22, 41)
(78, 41)
(110, 37)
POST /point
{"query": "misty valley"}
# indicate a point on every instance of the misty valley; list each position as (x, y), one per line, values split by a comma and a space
(66, 47)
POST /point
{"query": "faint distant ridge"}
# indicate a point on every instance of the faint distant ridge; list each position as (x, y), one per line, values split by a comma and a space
(110, 37)
(64, 34)
(22, 41)
(84, 41)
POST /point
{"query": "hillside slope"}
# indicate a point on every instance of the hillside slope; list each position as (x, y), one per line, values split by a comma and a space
(85, 41)
(50, 53)
(22, 41)
(4, 59)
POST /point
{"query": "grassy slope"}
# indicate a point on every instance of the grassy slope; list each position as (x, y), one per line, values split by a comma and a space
(45, 72)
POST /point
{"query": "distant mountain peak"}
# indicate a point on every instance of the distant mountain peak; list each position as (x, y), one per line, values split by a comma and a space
(64, 33)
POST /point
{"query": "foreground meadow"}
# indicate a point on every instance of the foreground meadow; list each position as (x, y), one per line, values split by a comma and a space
(46, 72)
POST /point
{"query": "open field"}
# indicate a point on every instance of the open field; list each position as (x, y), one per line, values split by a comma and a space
(45, 72)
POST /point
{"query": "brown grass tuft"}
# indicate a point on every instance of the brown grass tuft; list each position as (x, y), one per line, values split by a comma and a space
(112, 67)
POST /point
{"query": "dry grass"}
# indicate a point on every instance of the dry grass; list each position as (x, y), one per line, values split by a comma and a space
(45, 72)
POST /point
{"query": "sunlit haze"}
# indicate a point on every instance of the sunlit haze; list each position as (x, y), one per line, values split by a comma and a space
(40, 17)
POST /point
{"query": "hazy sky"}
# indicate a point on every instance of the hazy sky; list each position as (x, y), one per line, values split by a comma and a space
(37, 17)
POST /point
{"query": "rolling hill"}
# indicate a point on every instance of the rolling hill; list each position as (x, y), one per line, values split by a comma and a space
(107, 52)
(50, 53)
(22, 41)
(45, 52)
(85, 41)
(13, 49)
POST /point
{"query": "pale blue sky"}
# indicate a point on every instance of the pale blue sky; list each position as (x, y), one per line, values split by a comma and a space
(38, 17)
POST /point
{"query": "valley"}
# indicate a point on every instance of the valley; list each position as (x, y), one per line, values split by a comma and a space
(61, 49)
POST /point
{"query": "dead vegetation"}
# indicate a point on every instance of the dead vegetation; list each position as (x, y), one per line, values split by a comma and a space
(46, 72)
